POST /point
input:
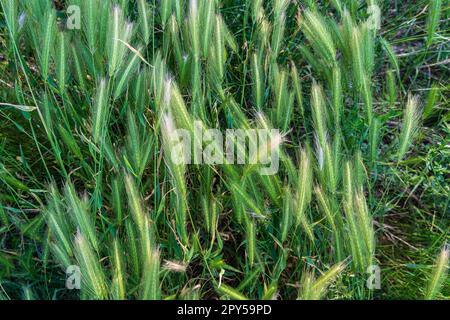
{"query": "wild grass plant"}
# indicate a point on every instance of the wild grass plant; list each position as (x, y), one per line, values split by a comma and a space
(86, 168)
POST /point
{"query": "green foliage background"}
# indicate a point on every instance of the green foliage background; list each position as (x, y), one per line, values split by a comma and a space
(364, 171)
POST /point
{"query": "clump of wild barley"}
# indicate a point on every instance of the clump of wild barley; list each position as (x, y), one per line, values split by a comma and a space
(98, 111)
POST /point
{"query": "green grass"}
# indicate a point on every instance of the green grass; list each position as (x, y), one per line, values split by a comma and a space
(86, 176)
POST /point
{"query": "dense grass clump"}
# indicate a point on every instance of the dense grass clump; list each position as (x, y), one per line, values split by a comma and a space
(90, 103)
